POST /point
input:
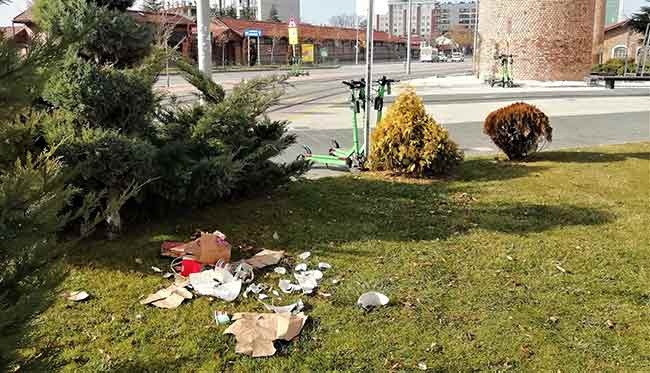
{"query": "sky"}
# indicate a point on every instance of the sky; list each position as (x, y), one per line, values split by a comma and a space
(314, 11)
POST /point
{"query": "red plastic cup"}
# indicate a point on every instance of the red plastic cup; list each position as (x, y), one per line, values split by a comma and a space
(190, 266)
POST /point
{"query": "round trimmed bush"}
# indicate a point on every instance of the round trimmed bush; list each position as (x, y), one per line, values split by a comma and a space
(518, 130)
(409, 141)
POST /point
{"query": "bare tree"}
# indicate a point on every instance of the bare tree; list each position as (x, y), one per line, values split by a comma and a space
(275, 37)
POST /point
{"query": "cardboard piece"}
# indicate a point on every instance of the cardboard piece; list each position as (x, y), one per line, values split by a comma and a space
(256, 332)
(168, 298)
(265, 258)
(210, 248)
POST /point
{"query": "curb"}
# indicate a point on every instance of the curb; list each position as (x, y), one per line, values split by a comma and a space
(450, 98)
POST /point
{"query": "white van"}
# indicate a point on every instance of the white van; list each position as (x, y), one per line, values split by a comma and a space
(428, 54)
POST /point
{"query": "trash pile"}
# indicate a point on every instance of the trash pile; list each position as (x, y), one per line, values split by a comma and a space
(203, 267)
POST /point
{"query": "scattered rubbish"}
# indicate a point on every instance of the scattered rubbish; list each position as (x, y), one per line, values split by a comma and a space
(221, 318)
(262, 296)
(295, 308)
(138, 261)
(265, 258)
(611, 324)
(255, 289)
(280, 270)
(207, 249)
(308, 281)
(275, 292)
(256, 332)
(324, 295)
(168, 298)
(189, 266)
(510, 258)
(287, 287)
(301, 267)
(156, 269)
(304, 255)
(76, 296)
(372, 299)
(167, 275)
(138, 316)
(559, 268)
(323, 265)
(276, 236)
(335, 281)
(218, 283)
(422, 366)
(553, 319)
(244, 272)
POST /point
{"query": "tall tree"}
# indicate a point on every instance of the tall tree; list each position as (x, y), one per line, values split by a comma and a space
(641, 19)
(154, 6)
(274, 16)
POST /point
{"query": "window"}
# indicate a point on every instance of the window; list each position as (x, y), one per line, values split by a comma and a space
(619, 51)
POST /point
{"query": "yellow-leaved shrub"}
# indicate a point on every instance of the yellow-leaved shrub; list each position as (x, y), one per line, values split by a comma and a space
(409, 141)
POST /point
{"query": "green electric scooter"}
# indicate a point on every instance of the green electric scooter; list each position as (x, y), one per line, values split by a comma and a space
(353, 158)
(506, 61)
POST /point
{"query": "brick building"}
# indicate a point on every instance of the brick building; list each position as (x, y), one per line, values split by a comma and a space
(622, 40)
(550, 39)
(332, 44)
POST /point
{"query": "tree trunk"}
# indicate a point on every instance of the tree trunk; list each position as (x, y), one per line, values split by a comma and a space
(273, 51)
(223, 55)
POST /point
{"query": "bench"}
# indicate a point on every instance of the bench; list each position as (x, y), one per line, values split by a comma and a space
(610, 80)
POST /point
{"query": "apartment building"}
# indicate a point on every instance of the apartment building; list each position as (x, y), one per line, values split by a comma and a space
(428, 17)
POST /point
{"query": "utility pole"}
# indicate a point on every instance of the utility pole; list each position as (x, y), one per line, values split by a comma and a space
(356, 46)
(369, 56)
(476, 45)
(204, 42)
(408, 38)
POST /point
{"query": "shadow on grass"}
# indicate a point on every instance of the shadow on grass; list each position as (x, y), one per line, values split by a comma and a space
(325, 213)
(483, 170)
(586, 157)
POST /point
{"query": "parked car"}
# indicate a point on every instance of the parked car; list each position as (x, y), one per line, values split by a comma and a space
(457, 57)
(443, 58)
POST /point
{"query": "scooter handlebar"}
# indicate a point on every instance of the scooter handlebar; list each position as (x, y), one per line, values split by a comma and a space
(355, 84)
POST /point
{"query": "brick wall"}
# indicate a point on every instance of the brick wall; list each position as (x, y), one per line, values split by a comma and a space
(619, 36)
(550, 39)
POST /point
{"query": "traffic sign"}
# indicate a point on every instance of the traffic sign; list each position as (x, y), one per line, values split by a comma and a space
(292, 22)
(252, 33)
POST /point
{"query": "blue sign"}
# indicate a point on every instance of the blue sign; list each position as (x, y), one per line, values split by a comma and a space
(251, 33)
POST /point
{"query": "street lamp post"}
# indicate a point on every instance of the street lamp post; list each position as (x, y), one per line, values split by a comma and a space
(476, 41)
(203, 31)
(369, 56)
(408, 37)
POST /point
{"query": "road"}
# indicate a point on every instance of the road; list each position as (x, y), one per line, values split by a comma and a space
(317, 108)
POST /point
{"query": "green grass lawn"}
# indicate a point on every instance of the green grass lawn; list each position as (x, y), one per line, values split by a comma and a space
(470, 266)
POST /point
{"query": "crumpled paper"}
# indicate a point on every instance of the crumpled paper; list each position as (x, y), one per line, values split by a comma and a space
(265, 258)
(256, 332)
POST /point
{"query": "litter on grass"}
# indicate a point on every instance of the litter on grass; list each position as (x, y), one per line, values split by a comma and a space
(218, 283)
(304, 255)
(221, 318)
(280, 270)
(287, 287)
(372, 299)
(76, 296)
(255, 289)
(324, 266)
(207, 249)
(169, 298)
(156, 269)
(295, 307)
(256, 332)
(265, 258)
(301, 267)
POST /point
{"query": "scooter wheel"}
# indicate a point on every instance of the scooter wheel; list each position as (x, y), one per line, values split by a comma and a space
(300, 157)
(335, 144)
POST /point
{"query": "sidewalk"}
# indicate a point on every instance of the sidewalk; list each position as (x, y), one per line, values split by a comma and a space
(467, 88)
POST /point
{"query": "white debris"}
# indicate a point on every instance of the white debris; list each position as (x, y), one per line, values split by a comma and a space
(307, 282)
(218, 283)
(301, 267)
(221, 318)
(304, 255)
(422, 366)
(372, 299)
(77, 296)
(156, 269)
(295, 308)
(228, 292)
(255, 289)
(335, 281)
(276, 236)
(262, 296)
(323, 265)
(287, 287)
(168, 275)
(280, 270)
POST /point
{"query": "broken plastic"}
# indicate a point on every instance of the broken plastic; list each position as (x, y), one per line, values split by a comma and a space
(256, 332)
(265, 258)
(372, 299)
(307, 282)
(295, 307)
(244, 272)
(323, 265)
(156, 269)
(255, 289)
(304, 255)
(280, 270)
(287, 287)
(301, 267)
(76, 296)
(221, 318)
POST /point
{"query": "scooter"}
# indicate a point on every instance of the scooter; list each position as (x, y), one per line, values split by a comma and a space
(506, 81)
(353, 158)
